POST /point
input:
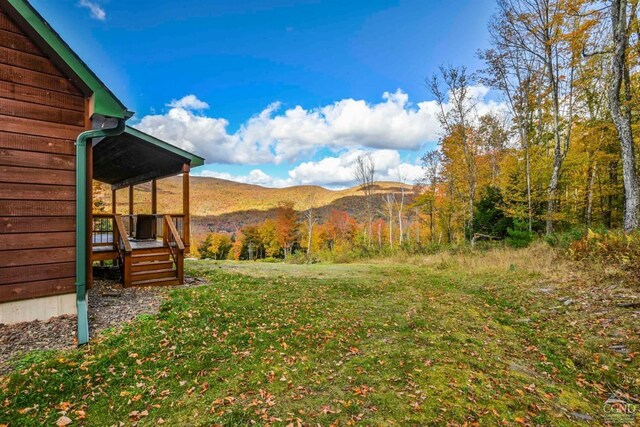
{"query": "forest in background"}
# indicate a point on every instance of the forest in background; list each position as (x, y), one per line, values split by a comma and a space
(559, 156)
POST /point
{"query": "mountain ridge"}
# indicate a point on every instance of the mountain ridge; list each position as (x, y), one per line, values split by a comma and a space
(219, 205)
(215, 196)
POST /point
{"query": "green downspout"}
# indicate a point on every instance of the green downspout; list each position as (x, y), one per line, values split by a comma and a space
(81, 224)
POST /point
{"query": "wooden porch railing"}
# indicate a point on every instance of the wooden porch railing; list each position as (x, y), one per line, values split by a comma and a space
(171, 238)
(124, 249)
(130, 222)
(103, 230)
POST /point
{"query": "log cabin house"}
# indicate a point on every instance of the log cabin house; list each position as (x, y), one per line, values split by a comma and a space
(60, 129)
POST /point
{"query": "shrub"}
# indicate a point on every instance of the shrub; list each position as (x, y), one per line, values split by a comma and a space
(611, 248)
(343, 258)
(489, 218)
(519, 236)
(566, 238)
(301, 257)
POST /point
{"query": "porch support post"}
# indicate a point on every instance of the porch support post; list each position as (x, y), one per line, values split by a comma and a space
(154, 197)
(131, 210)
(154, 205)
(185, 207)
(113, 201)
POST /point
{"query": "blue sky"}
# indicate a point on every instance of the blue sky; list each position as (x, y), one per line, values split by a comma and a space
(281, 92)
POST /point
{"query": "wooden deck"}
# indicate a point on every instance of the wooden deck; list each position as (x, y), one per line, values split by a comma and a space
(143, 262)
(135, 245)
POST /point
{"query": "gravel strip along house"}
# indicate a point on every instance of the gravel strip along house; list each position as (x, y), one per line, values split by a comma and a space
(61, 128)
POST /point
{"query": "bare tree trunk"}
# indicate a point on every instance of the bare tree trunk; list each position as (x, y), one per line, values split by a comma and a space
(432, 225)
(417, 227)
(431, 162)
(400, 219)
(310, 219)
(551, 193)
(452, 196)
(527, 155)
(607, 213)
(561, 143)
(364, 172)
(389, 200)
(621, 116)
(590, 183)
(390, 227)
(472, 194)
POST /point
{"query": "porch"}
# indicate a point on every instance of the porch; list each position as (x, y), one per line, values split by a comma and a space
(156, 260)
(149, 247)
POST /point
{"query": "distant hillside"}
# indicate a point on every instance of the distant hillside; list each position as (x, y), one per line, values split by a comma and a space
(221, 205)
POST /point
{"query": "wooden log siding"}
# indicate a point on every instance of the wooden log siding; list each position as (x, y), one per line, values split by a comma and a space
(41, 114)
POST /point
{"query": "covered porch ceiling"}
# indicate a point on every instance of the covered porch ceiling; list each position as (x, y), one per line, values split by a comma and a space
(134, 157)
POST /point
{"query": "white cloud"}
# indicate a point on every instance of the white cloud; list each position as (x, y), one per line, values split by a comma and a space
(338, 170)
(189, 102)
(97, 12)
(256, 176)
(332, 171)
(275, 136)
(204, 135)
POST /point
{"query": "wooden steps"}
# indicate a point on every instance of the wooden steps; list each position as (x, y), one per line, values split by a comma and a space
(152, 274)
(153, 266)
(142, 262)
(137, 258)
(104, 255)
(158, 282)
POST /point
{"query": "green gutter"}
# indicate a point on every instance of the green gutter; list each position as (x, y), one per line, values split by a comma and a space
(81, 224)
(104, 101)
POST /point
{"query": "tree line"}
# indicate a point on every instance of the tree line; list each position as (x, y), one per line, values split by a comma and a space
(559, 153)
(308, 235)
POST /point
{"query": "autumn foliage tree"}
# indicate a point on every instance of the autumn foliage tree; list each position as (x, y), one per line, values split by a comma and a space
(216, 246)
(286, 226)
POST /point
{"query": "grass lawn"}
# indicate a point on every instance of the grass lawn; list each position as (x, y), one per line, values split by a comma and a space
(508, 337)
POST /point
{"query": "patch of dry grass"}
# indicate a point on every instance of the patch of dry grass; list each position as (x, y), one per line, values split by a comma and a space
(538, 258)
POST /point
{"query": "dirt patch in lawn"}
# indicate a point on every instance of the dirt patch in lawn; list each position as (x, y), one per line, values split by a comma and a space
(109, 305)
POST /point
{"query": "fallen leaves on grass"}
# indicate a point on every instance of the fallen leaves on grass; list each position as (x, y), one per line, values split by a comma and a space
(63, 421)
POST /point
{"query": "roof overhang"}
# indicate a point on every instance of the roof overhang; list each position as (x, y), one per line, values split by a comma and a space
(103, 101)
(134, 157)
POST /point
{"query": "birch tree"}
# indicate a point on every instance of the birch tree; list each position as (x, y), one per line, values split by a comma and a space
(515, 73)
(310, 219)
(452, 91)
(389, 201)
(364, 172)
(545, 29)
(431, 164)
(620, 97)
(401, 199)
